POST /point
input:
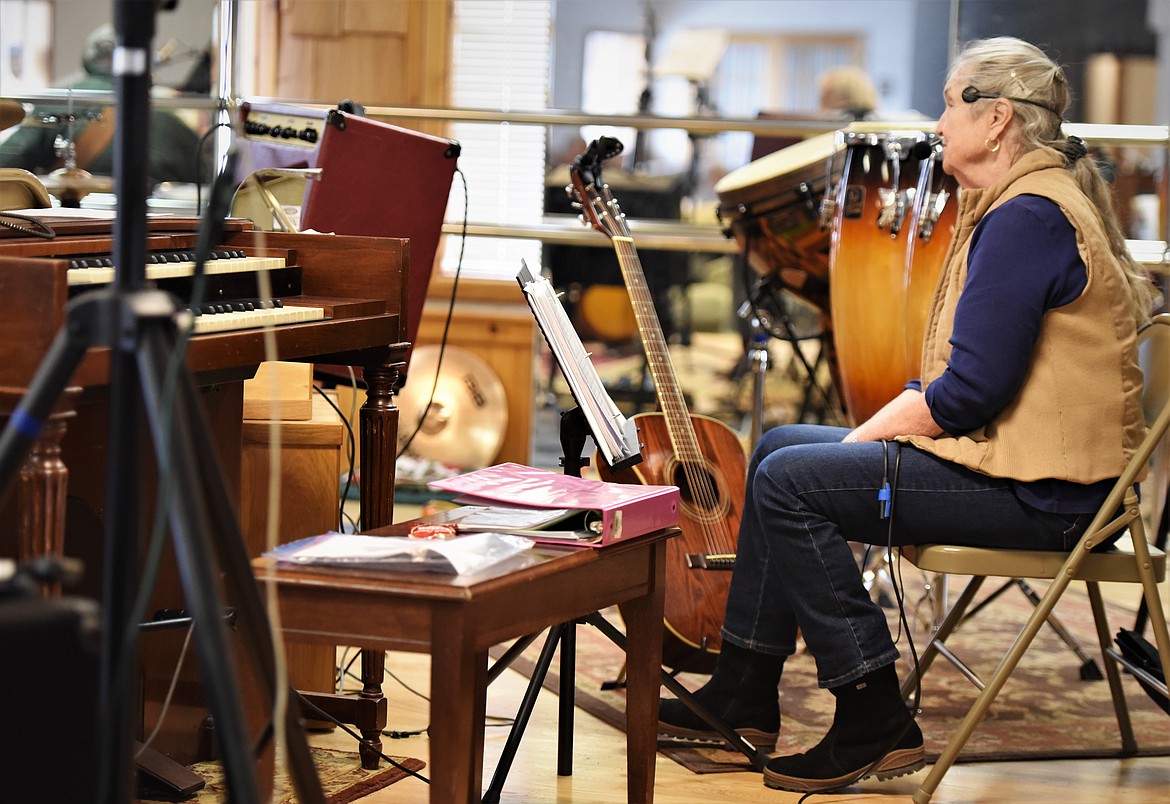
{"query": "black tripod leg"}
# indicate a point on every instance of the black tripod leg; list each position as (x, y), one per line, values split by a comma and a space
(187, 515)
(1089, 669)
(987, 600)
(509, 656)
(492, 795)
(567, 700)
(85, 322)
(241, 584)
(757, 757)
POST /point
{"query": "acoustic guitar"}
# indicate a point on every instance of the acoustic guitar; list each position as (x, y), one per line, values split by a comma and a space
(700, 455)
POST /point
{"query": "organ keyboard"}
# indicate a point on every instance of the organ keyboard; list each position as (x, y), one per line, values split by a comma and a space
(338, 298)
(248, 315)
(99, 269)
(333, 299)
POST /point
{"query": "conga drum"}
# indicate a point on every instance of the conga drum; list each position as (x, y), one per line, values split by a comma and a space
(931, 230)
(772, 208)
(882, 277)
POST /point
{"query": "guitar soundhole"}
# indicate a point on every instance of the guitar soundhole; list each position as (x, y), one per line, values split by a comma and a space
(698, 489)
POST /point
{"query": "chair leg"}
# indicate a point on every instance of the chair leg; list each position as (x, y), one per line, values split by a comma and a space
(940, 589)
(987, 696)
(935, 645)
(1120, 708)
(1153, 601)
(1158, 624)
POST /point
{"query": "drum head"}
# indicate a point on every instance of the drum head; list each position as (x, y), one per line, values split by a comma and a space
(774, 180)
(806, 153)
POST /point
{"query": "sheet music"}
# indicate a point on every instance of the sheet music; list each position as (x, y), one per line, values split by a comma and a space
(616, 436)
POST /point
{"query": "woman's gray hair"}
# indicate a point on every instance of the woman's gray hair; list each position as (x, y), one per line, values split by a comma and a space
(1014, 69)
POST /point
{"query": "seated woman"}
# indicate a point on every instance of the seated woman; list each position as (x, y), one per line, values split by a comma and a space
(1028, 408)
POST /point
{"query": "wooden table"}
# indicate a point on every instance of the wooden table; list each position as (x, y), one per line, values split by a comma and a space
(457, 619)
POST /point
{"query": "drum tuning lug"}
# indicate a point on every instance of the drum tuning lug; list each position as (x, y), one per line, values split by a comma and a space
(828, 212)
(893, 209)
(932, 209)
(805, 193)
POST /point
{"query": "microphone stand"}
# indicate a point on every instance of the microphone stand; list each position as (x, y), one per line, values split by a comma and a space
(137, 324)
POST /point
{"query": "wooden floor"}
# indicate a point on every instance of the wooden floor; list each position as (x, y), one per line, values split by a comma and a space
(599, 763)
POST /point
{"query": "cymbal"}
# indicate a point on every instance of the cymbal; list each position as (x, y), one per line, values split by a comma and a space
(465, 422)
(11, 113)
(75, 183)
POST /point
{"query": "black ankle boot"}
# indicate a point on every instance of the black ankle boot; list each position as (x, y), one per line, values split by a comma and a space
(873, 733)
(743, 693)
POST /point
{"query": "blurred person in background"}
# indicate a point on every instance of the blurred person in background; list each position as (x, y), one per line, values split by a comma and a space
(37, 147)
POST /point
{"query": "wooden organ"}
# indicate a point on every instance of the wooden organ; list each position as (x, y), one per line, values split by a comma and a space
(343, 298)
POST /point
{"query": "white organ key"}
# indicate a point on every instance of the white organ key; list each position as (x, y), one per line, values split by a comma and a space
(98, 274)
(253, 319)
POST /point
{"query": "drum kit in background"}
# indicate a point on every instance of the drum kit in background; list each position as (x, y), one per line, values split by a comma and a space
(69, 182)
(855, 223)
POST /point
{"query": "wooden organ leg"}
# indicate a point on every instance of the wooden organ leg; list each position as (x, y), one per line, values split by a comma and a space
(379, 444)
(378, 428)
(379, 441)
(378, 425)
(44, 481)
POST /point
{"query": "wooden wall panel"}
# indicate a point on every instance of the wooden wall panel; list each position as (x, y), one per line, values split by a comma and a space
(308, 18)
(369, 16)
(377, 52)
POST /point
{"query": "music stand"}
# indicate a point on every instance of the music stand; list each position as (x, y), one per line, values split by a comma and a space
(597, 416)
(147, 371)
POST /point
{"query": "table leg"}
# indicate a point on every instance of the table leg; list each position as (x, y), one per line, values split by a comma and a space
(458, 706)
(643, 619)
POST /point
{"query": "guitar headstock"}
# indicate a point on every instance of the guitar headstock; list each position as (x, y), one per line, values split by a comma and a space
(599, 208)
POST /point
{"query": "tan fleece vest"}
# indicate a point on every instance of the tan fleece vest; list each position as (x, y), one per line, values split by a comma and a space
(1078, 414)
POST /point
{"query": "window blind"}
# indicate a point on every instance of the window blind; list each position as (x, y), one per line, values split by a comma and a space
(500, 61)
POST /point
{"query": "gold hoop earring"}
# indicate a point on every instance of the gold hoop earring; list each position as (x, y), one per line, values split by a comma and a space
(987, 144)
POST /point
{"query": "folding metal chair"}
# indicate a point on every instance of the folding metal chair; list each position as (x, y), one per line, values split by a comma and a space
(1130, 560)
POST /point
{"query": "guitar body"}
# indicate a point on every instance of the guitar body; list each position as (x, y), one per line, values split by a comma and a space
(698, 454)
(695, 597)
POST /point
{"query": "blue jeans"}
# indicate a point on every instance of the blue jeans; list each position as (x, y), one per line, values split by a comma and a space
(808, 495)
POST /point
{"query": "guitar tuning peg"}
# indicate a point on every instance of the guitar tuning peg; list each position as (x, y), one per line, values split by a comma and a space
(576, 205)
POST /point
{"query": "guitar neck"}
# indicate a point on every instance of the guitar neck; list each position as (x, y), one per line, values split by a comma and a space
(670, 396)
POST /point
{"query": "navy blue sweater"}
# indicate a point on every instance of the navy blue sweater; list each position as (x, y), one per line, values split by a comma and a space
(1023, 261)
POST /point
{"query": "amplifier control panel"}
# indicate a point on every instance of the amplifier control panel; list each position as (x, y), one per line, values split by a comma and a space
(289, 129)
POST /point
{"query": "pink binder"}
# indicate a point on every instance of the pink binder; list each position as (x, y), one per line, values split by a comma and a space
(625, 510)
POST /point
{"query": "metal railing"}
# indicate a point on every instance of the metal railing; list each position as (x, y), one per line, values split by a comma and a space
(676, 236)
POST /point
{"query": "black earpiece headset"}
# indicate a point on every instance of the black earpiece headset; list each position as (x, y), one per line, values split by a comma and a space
(971, 94)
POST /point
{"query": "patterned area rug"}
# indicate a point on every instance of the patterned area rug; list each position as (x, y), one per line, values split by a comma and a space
(1044, 712)
(342, 778)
